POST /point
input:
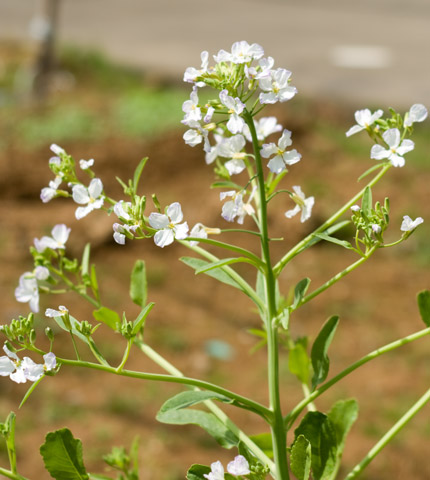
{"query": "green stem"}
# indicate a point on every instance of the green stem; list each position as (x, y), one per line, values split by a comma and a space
(163, 363)
(337, 277)
(301, 245)
(243, 401)
(394, 430)
(291, 417)
(125, 356)
(13, 476)
(277, 425)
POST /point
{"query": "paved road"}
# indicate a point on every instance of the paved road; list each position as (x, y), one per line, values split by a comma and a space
(362, 52)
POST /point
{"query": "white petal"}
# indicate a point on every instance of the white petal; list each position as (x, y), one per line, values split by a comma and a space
(392, 137)
(307, 209)
(235, 124)
(294, 211)
(235, 166)
(164, 237)
(82, 212)
(61, 233)
(181, 231)
(56, 149)
(354, 129)
(96, 187)
(174, 212)
(32, 371)
(396, 160)
(158, 220)
(268, 150)
(119, 238)
(6, 366)
(378, 152)
(276, 164)
(405, 147)
(41, 273)
(50, 361)
(18, 376)
(239, 466)
(80, 194)
(285, 140)
(291, 157)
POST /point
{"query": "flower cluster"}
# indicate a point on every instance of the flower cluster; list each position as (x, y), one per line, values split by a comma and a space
(26, 369)
(238, 467)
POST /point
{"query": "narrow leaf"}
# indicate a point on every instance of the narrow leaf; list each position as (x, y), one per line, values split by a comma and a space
(423, 299)
(191, 397)
(138, 173)
(205, 420)
(300, 291)
(333, 229)
(299, 362)
(94, 283)
(300, 459)
(138, 284)
(107, 316)
(140, 320)
(320, 360)
(62, 456)
(222, 263)
(369, 171)
(366, 202)
(337, 241)
(219, 274)
(85, 260)
(226, 184)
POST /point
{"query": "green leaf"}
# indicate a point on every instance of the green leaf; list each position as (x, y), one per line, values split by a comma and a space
(366, 202)
(369, 171)
(226, 184)
(222, 263)
(218, 274)
(107, 316)
(205, 420)
(191, 397)
(140, 320)
(300, 459)
(342, 415)
(94, 283)
(138, 284)
(328, 238)
(198, 472)
(321, 434)
(74, 323)
(333, 229)
(85, 260)
(423, 299)
(300, 291)
(62, 456)
(320, 360)
(264, 442)
(138, 173)
(299, 362)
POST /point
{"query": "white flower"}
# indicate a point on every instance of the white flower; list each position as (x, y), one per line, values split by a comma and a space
(121, 210)
(263, 70)
(191, 108)
(376, 228)
(201, 231)
(232, 148)
(303, 204)
(60, 234)
(120, 232)
(191, 74)
(56, 149)
(213, 152)
(168, 225)
(236, 207)
(264, 127)
(276, 87)
(282, 157)
(22, 370)
(51, 313)
(41, 273)
(408, 224)
(196, 134)
(355, 208)
(91, 196)
(364, 119)
(242, 52)
(396, 149)
(235, 108)
(216, 473)
(48, 193)
(239, 466)
(86, 164)
(417, 113)
(28, 291)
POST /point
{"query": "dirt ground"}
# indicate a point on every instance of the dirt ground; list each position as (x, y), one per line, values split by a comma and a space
(376, 305)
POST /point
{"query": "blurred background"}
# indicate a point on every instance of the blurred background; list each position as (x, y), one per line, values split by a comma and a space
(103, 79)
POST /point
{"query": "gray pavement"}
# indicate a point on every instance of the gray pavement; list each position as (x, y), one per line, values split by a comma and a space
(363, 52)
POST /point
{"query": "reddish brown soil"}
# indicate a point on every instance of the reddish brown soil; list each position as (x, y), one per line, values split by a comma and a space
(376, 305)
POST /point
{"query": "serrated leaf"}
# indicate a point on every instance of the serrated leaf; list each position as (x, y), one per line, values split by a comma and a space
(342, 415)
(299, 362)
(319, 357)
(205, 420)
(138, 284)
(423, 299)
(337, 241)
(191, 397)
(220, 275)
(108, 317)
(62, 456)
(321, 434)
(198, 472)
(140, 320)
(300, 458)
(300, 291)
(366, 202)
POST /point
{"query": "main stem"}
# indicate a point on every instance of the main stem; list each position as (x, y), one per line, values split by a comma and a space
(277, 424)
